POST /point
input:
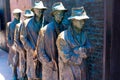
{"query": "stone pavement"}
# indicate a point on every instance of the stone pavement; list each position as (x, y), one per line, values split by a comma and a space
(5, 70)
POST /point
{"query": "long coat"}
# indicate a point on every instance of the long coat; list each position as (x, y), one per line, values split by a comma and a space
(13, 56)
(20, 49)
(47, 50)
(71, 66)
(28, 36)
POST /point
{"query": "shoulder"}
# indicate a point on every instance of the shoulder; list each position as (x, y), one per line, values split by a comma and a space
(61, 40)
(48, 27)
(25, 22)
(8, 23)
(42, 30)
(19, 24)
(63, 35)
(84, 34)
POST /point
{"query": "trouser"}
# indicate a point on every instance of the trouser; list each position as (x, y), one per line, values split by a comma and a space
(34, 79)
(23, 77)
(14, 72)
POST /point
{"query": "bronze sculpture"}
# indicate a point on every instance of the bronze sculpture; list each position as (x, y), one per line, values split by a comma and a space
(28, 14)
(46, 47)
(29, 35)
(19, 46)
(72, 47)
(13, 56)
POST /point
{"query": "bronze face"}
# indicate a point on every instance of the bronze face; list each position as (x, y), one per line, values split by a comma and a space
(17, 15)
(27, 17)
(78, 23)
(38, 12)
(58, 16)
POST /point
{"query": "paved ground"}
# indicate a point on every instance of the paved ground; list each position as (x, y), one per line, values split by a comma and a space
(5, 70)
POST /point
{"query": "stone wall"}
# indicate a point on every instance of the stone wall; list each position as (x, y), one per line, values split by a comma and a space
(21, 4)
(95, 29)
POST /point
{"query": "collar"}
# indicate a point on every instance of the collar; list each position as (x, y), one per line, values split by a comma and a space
(17, 21)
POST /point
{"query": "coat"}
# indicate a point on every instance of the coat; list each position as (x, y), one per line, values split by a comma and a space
(13, 56)
(28, 37)
(71, 66)
(47, 50)
(20, 49)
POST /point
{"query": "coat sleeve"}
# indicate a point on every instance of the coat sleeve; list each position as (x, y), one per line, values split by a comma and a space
(8, 34)
(24, 38)
(66, 53)
(41, 54)
(17, 41)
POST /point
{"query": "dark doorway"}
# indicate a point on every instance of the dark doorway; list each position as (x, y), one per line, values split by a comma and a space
(4, 13)
(115, 49)
(108, 22)
(112, 40)
(5, 16)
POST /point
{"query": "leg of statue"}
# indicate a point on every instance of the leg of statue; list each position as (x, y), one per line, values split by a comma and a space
(30, 79)
(37, 79)
(14, 70)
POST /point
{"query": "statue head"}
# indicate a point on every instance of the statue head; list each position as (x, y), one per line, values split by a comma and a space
(39, 9)
(17, 13)
(58, 11)
(28, 14)
(78, 17)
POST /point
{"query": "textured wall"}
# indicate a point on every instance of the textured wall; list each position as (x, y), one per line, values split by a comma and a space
(21, 4)
(94, 27)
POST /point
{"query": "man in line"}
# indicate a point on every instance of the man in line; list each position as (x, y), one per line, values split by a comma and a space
(13, 56)
(46, 47)
(29, 35)
(19, 46)
(73, 45)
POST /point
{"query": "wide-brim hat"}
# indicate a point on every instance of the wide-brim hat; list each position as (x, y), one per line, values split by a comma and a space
(28, 13)
(58, 6)
(78, 13)
(17, 11)
(39, 5)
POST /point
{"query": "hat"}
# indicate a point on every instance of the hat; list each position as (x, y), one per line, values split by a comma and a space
(78, 13)
(28, 13)
(58, 6)
(17, 11)
(39, 5)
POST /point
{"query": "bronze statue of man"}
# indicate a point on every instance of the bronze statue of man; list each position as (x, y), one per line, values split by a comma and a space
(47, 50)
(19, 46)
(13, 56)
(28, 37)
(28, 14)
(72, 46)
